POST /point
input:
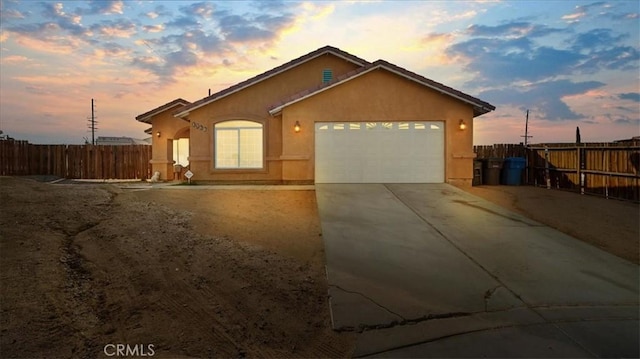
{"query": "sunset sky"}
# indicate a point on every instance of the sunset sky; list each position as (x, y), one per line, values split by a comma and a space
(572, 63)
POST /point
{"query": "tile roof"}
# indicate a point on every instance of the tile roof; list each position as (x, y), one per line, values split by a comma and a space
(293, 63)
(479, 107)
(146, 117)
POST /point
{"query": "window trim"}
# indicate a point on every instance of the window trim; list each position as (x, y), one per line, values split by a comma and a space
(262, 127)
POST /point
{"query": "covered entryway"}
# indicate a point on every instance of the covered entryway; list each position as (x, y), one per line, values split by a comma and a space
(379, 152)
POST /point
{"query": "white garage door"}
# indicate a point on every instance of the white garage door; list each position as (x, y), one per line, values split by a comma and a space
(379, 152)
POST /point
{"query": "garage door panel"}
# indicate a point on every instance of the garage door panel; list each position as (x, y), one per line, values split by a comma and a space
(380, 152)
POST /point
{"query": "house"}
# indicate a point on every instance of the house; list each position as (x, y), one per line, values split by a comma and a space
(325, 117)
(121, 141)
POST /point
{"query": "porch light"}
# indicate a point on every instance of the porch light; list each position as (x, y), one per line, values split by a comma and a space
(462, 125)
(158, 133)
(296, 127)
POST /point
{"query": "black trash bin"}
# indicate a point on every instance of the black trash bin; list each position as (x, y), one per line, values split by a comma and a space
(477, 173)
(512, 170)
(491, 168)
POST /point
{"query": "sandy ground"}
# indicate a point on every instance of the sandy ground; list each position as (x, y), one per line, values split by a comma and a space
(192, 273)
(203, 273)
(609, 224)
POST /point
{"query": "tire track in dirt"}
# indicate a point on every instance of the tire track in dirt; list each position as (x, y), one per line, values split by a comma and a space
(58, 294)
(89, 265)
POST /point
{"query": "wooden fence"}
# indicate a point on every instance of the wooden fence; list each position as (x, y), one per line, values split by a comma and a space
(607, 169)
(20, 158)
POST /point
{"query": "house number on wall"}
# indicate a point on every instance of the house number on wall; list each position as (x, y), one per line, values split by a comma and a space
(199, 126)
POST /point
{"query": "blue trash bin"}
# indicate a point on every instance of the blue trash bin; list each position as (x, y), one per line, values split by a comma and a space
(512, 170)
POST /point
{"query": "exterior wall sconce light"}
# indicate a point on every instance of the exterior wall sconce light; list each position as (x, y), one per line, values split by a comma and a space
(158, 133)
(462, 125)
(296, 127)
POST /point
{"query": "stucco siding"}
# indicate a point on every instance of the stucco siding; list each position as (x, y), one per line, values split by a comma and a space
(374, 93)
(253, 103)
(379, 96)
(162, 146)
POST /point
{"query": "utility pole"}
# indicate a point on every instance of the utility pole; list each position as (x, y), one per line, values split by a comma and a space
(93, 123)
(526, 130)
(526, 141)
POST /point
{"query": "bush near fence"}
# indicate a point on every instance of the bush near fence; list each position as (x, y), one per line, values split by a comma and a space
(20, 158)
(607, 169)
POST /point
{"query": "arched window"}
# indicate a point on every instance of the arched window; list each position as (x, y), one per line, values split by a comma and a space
(238, 144)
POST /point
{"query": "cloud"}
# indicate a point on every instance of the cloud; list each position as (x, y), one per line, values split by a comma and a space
(153, 28)
(626, 16)
(603, 51)
(271, 6)
(316, 11)
(632, 96)
(628, 121)
(181, 59)
(38, 90)
(112, 50)
(581, 11)
(102, 7)
(203, 10)
(596, 39)
(544, 97)
(174, 52)
(183, 22)
(438, 40)
(14, 60)
(515, 29)
(122, 28)
(509, 63)
(158, 11)
(152, 64)
(7, 14)
(435, 45)
(167, 66)
(496, 61)
(510, 50)
(196, 35)
(64, 20)
(209, 43)
(45, 38)
(190, 15)
(162, 11)
(251, 28)
(615, 58)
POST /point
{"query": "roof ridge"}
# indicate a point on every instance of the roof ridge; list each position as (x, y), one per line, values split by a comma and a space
(272, 72)
(433, 82)
(160, 108)
(482, 106)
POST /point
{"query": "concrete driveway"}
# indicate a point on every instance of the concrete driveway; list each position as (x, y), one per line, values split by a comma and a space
(428, 270)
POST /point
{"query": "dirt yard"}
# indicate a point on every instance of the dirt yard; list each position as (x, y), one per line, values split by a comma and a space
(191, 273)
(202, 273)
(609, 224)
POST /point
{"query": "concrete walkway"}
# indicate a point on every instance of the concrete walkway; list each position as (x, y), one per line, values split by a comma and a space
(432, 271)
(217, 187)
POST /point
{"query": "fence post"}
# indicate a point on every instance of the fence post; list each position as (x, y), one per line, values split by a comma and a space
(579, 168)
(526, 168)
(547, 174)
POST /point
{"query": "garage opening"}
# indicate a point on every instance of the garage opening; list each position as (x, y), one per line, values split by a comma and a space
(379, 152)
